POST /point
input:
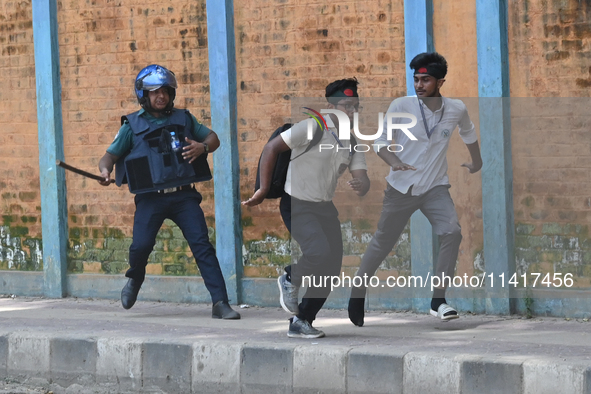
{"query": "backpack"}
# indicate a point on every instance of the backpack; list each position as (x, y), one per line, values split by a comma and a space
(279, 176)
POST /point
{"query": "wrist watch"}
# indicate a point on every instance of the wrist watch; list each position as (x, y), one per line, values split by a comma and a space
(206, 147)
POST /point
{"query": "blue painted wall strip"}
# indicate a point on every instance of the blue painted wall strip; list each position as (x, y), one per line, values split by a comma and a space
(222, 85)
(263, 292)
(49, 118)
(418, 37)
(495, 135)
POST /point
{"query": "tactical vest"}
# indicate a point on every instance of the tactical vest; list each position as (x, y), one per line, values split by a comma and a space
(152, 165)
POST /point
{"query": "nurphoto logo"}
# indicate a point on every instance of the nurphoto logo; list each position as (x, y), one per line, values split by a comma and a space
(344, 128)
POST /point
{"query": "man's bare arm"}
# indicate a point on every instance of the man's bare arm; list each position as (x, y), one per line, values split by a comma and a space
(106, 167)
(360, 182)
(194, 149)
(393, 161)
(476, 164)
(268, 159)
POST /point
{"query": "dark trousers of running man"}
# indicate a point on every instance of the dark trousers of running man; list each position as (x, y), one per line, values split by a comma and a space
(316, 228)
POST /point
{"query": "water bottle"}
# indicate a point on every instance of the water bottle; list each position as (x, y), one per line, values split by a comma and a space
(174, 142)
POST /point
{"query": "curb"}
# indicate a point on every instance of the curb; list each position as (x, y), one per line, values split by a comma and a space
(107, 364)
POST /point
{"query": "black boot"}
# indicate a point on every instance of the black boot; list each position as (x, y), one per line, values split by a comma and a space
(223, 310)
(129, 293)
(357, 306)
(356, 311)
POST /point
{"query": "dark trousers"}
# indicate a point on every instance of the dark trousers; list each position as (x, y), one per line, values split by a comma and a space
(317, 229)
(182, 207)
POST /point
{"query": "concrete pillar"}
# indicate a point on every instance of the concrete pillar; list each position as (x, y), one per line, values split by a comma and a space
(54, 215)
(222, 86)
(418, 38)
(495, 135)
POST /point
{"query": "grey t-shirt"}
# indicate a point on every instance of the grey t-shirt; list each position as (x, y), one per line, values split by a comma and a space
(314, 175)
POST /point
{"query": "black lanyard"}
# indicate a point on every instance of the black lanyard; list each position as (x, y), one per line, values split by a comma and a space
(429, 132)
(351, 146)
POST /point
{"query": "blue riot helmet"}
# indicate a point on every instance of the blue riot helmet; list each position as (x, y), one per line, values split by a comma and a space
(152, 78)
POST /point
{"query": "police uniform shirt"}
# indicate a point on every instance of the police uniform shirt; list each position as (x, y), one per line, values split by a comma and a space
(428, 154)
(123, 141)
(313, 176)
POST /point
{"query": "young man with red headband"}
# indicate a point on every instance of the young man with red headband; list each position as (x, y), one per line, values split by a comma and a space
(418, 179)
(307, 208)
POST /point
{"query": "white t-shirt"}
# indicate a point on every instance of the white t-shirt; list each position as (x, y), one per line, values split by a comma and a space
(313, 176)
(427, 155)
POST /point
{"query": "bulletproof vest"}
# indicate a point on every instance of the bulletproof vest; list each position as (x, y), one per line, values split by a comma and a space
(152, 164)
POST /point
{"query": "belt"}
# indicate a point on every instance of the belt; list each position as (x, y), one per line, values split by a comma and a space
(176, 189)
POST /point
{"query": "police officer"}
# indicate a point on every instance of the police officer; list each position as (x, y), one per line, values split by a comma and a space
(160, 152)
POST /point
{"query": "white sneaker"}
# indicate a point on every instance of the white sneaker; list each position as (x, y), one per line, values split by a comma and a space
(445, 312)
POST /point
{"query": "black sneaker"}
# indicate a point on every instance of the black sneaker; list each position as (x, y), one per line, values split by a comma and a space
(356, 311)
(302, 329)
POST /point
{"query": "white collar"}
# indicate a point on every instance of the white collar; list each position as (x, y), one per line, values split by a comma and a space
(437, 110)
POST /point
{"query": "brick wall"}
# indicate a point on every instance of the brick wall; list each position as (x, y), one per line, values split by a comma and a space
(454, 31)
(288, 49)
(552, 196)
(284, 50)
(550, 52)
(20, 230)
(103, 45)
(550, 48)
(549, 57)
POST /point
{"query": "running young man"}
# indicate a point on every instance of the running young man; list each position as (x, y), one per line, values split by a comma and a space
(307, 208)
(418, 178)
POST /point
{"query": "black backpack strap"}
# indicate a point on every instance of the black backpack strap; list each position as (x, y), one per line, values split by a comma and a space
(315, 140)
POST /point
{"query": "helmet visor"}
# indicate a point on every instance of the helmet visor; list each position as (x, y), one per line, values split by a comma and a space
(156, 79)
